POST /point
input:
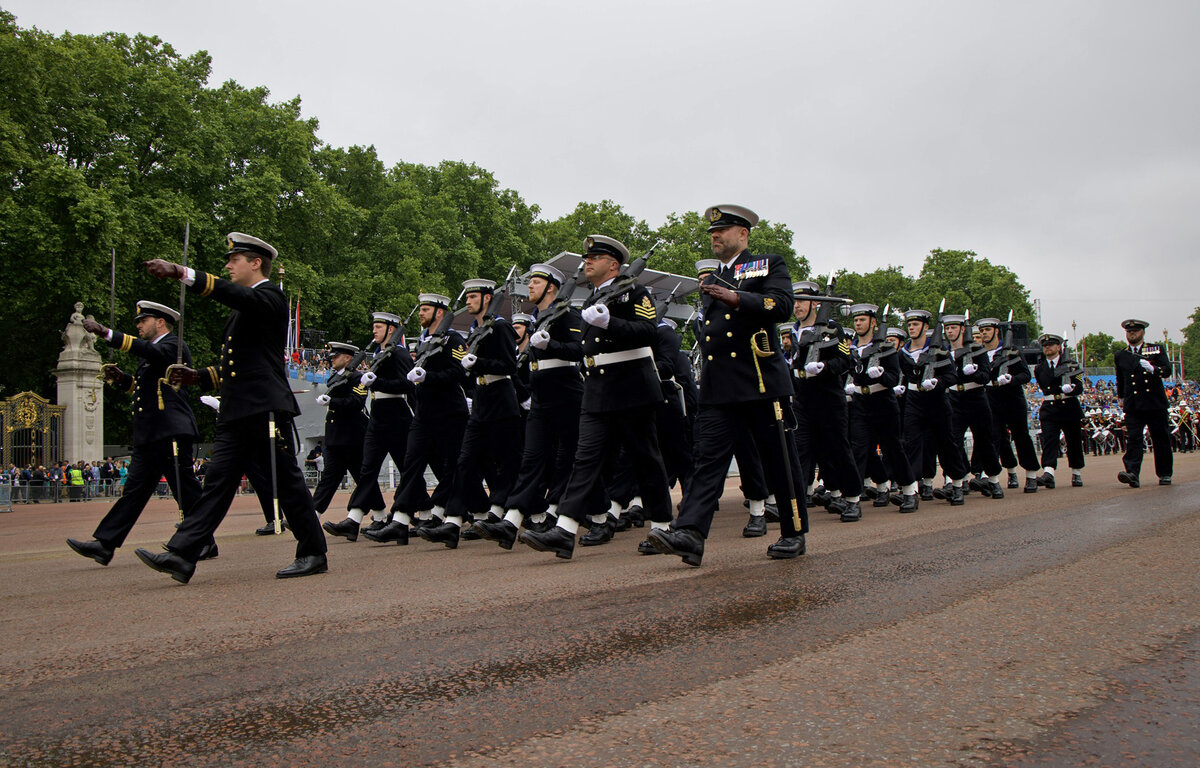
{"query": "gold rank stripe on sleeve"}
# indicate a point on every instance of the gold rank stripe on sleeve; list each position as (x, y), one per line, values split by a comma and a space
(360, 391)
(576, 330)
(458, 353)
(844, 347)
(213, 376)
(132, 385)
(647, 313)
(207, 283)
(126, 341)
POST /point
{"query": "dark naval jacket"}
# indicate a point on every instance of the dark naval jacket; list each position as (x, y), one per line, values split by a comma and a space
(250, 374)
(441, 394)
(150, 424)
(828, 386)
(346, 422)
(495, 399)
(732, 372)
(863, 358)
(391, 379)
(621, 385)
(560, 384)
(1140, 389)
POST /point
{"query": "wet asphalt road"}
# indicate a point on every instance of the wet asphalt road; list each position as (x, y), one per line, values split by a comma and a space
(1053, 629)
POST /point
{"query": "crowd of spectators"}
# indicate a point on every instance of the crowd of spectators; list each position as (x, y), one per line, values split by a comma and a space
(64, 481)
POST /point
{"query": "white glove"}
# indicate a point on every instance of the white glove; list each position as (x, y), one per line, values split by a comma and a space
(468, 361)
(899, 389)
(527, 403)
(812, 369)
(368, 378)
(1149, 366)
(323, 399)
(469, 403)
(970, 368)
(416, 375)
(929, 384)
(1068, 389)
(875, 371)
(211, 402)
(596, 315)
(540, 339)
(1004, 378)
(850, 388)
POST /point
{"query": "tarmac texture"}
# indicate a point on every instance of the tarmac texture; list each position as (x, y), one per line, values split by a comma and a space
(1052, 629)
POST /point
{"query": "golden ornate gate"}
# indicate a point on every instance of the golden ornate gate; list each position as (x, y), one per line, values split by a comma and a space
(32, 428)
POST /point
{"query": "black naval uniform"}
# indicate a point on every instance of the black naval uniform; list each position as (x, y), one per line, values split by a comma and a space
(345, 430)
(552, 427)
(153, 430)
(617, 409)
(253, 384)
(969, 402)
(1010, 412)
(388, 428)
(671, 412)
(821, 412)
(927, 415)
(491, 442)
(1061, 414)
(439, 418)
(737, 389)
(875, 414)
(1145, 403)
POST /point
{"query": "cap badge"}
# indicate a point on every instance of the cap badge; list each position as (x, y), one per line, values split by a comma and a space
(589, 242)
(714, 214)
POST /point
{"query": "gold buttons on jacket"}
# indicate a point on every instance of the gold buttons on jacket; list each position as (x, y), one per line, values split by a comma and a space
(733, 354)
(710, 357)
(728, 317)
(729, 334)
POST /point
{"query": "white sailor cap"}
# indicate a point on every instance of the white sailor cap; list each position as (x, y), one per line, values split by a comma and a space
(721, 216)
(521, 317)
(987, 322)
(154, 309)
(240, 242)
(1133, 324)
(785, 329)
(434, 300)
(547, 272)
(479, 285)
(896, 333)
(1050, 338)
(707, 265)
(341, 348)
(607, 246)
(804, 288)
(864, 309)
(385, 317)
(918, 314)
(954, 319)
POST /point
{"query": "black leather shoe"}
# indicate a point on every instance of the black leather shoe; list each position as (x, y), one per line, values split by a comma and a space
(837, 505)
(1164, 480)
(168, 562)
(942, 493)
(646, 548)
(549, 522)
(502, 532)
(208, 552)
(1031, 485)
(555, 540)
(978, 484)
(881, 500)
(446, 533)
(909, 503)
(469, 533)
(771, 512)
(821, 497)
(618, 523)
(1076, 481)
(93, 549)
(995, 491)
(1129, 479)
(926, 491)
(1046, 481)
(787, 547)
(348, 529)
(600, 533)
(755, 526)
(1012, 481)
(852, 513)
(870, 492)
(636, 517)
(304, 566)
(374, 526)
(394, 531)
(956, 496)
(685, 542)
(269, 529)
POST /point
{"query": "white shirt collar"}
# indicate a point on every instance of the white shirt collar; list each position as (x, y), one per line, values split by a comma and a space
(159, 338)
(260, 282)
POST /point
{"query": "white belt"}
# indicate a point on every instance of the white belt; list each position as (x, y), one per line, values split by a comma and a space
(1060, 397)
(384, 395)
(914, 388)
(488, 378)
(624, 356)
(968, 386)
(870, 390)
(548, 363)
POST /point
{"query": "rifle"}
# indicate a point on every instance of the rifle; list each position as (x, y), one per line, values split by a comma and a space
(338, 377)
(1068, 365)
(1011, 353)
(488, 324)
(973, 347)
(939, 357)
(825, 318)
(627, 280)
(557, 309)
(438, 337)
(660, 310)
(879, 346)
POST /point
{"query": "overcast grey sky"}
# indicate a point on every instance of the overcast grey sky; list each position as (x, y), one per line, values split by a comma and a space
(1056, 138)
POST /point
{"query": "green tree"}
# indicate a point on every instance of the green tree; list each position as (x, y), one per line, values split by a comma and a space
(1191, 347)
(1099, 349)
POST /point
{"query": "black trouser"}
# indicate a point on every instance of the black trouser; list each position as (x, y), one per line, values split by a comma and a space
(340, 459)
(1010, 417)
(601, 435)
(1160, 435)
(971, 411)
(875, 421)
(673, 440)
(751, 479)
(433, 443)
(387, 435)
(147, 464)
(490, 451)
(927, 433)
(243, 447)
(1062, 418)
(717, 430)
(822, 431)
(551, 433)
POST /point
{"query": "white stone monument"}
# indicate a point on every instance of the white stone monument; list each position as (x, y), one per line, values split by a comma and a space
(81, 390)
